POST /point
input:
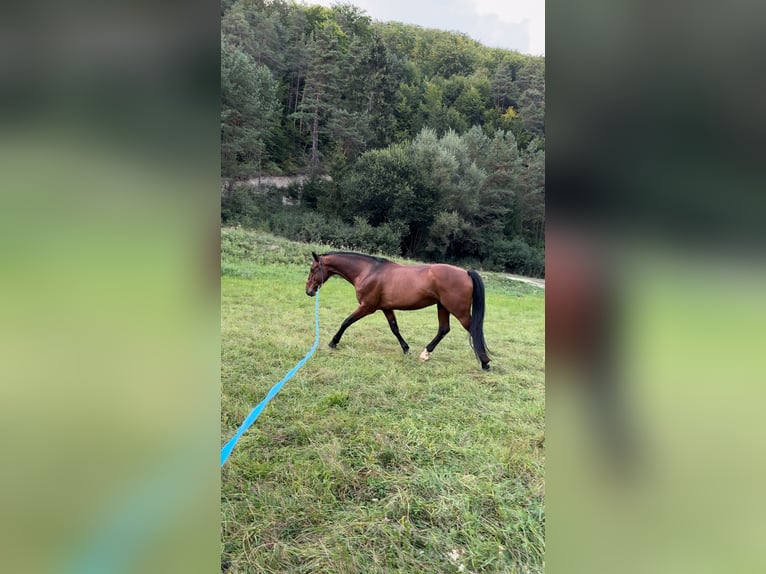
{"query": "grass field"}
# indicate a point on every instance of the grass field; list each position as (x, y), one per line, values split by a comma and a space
(369, 461)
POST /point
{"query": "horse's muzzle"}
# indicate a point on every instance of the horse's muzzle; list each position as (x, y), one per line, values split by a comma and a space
(311, 292)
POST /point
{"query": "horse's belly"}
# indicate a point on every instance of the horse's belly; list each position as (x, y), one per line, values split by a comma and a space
(410, 306)
(407, 301)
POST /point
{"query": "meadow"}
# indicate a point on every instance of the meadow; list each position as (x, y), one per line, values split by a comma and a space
(369, 461)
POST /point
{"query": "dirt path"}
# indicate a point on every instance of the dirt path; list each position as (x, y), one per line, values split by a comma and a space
(530, 280)
(281, 181)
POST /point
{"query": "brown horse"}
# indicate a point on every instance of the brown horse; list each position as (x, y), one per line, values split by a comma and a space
(388, 286)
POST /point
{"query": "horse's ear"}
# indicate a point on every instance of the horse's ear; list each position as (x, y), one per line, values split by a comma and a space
(316, 257)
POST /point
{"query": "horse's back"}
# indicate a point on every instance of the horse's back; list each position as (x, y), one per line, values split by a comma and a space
(417, 286)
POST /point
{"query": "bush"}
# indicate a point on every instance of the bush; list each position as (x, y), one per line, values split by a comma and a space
(248, 206)
(450, 238)
(317, 193)
(238, 207)
(515, 256)
(385, 238)
(312, 227)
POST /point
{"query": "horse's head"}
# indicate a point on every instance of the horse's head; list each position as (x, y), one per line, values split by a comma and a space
(317, 276)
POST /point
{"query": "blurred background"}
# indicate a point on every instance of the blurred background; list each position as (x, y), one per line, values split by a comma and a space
(655, 287)
(109, 162)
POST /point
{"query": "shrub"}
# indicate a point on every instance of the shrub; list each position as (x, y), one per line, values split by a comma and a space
(317, 193)
(385, 238)
(516, 256)
(248, 206)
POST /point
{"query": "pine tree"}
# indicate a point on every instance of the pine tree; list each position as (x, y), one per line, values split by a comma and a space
(249, 107)
(321, 90)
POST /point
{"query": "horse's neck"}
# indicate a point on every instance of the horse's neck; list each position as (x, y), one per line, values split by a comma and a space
(350, 268)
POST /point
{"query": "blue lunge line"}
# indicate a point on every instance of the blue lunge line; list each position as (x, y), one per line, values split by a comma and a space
(229, 446)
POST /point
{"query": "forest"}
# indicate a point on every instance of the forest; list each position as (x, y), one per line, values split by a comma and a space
(414, 142)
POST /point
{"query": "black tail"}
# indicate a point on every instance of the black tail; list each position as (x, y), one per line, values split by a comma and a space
(476, 330)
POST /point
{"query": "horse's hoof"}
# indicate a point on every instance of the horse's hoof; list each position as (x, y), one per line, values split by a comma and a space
(485, 366)
(424, 356)
(332, 345)
(405, 350)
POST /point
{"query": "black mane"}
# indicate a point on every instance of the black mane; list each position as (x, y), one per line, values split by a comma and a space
(374, 258)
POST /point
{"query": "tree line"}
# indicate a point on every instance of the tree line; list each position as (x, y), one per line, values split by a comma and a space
(434, 144)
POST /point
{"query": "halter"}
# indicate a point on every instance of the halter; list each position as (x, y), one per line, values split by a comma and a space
(321, 272)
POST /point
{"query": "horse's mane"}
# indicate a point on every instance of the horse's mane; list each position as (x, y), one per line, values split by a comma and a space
(374, 258)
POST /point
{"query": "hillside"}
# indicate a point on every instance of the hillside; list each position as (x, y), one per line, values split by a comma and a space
(434, 144)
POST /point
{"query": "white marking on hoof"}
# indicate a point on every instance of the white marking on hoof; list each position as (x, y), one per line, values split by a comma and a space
(424, 356)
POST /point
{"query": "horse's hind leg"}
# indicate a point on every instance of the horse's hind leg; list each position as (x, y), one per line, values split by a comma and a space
(395, 329)
(443, 330)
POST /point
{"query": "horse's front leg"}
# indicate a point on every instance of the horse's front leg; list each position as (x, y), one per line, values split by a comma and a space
(361, 311)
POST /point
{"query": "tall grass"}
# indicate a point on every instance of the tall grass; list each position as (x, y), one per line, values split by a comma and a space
(369, 461)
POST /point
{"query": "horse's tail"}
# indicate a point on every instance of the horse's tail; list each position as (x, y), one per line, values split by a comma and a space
(476, 330)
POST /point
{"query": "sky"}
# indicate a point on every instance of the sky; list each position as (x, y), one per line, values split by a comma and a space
(513, 24)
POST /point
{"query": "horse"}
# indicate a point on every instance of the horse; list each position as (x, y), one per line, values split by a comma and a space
(387, 286)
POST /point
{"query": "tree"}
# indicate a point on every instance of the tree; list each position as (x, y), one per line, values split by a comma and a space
(532, 112)
(446, 236)
(530, 191)
(353, 20)
(496, 215)
(446, 165)
(531, 75)
(380, 86)
(321, 91)
(236, 29)
(408, 112)
(385, 186)
(476, 142)
(249, 107)
(531, 100)
(433, 109)
(504, 90)
(452, 53)
(471, 105)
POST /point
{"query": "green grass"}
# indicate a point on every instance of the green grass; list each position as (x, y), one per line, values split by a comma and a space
(369, 461)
